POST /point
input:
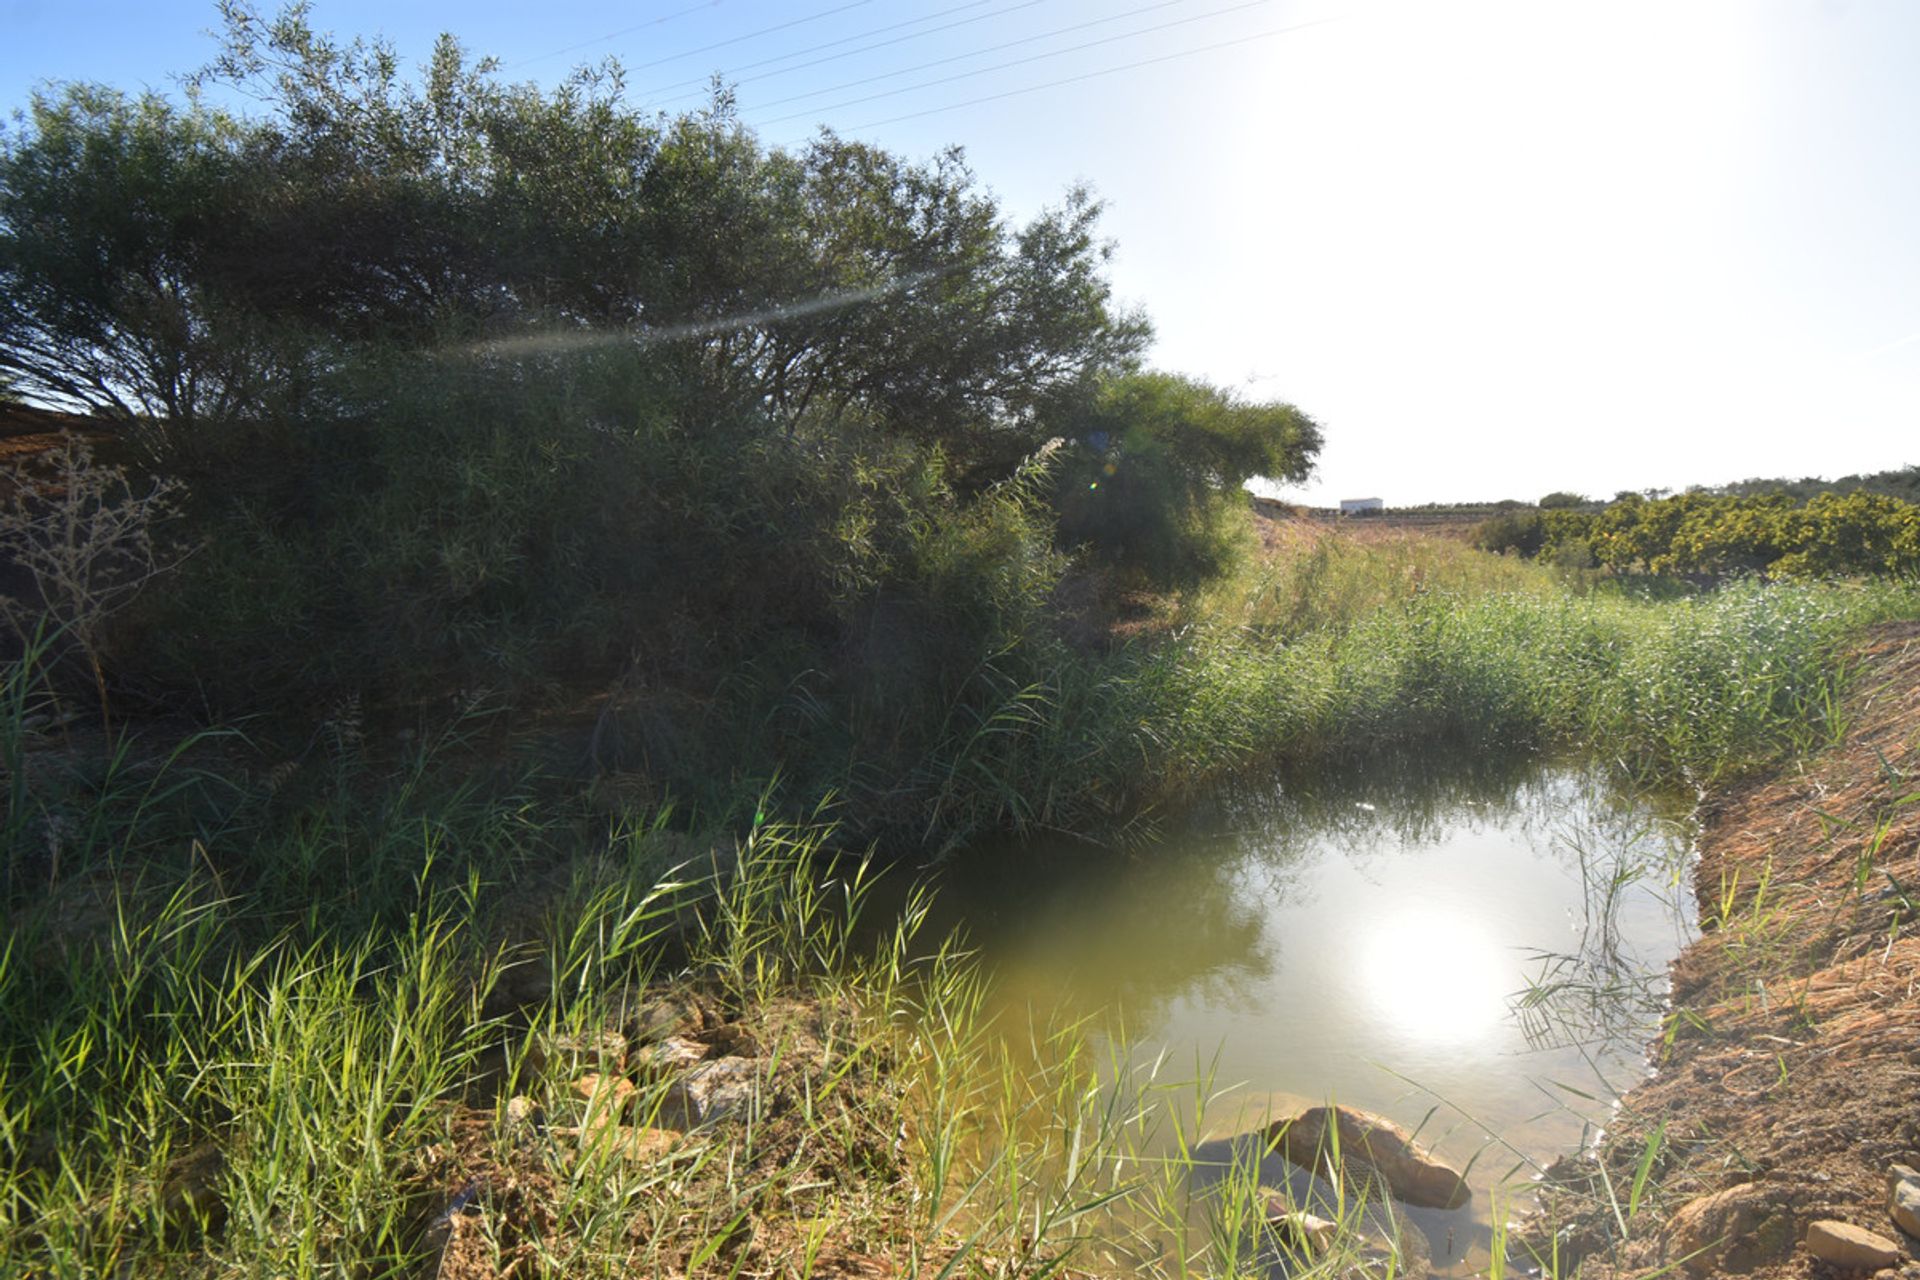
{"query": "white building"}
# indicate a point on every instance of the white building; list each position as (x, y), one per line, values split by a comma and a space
(1354, 506)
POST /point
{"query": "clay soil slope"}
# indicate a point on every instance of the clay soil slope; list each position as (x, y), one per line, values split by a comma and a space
(1790, 1067)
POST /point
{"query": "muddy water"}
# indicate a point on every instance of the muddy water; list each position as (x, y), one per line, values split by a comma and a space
(1476, 951)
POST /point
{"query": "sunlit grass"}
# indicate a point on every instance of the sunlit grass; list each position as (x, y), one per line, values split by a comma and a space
(246, 1026)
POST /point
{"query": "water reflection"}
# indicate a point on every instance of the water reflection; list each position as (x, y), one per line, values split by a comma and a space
(1458, 1000)
(1474, 944)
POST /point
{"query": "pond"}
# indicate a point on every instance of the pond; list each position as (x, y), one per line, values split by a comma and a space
(1474, 949)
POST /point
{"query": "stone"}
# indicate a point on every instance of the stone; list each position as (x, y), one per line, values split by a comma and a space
(660, 1017)
(625, 1141)
(675, 1053)
(1410, 1173)
(1734, 1230)
(605, 1094)
(642, 1142)
(1300, 1232)
(729, 1040)
(1849, 1247)
(710, 1091)
(1903, 1198)
(522, 1113)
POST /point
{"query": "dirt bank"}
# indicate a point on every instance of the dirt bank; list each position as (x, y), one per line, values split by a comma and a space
(1790, 1065)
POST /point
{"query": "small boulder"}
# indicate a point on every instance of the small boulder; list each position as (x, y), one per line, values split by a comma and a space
(658, 1017)
(1903, 1198)
(637, 1143)
(1734, 1230)
(605, 1095)
(710, 1091)
(1409, 1171)
(729, 1040)
(1298, 1231)
(1849, 1247)
(675, 1053)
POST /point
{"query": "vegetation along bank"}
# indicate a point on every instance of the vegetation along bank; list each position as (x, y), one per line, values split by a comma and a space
(1787, 1098)
(525, 555)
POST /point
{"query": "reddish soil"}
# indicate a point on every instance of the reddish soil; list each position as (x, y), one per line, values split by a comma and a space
(1791, 1062)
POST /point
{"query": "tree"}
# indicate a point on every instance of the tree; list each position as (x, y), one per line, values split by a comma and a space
(1152, 480)
(108, 208)
(176, 266)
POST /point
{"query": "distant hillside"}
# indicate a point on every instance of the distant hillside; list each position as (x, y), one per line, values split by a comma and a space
(1903, 484)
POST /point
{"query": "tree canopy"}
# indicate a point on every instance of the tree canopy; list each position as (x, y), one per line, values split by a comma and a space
(174, 263)
(475, 385)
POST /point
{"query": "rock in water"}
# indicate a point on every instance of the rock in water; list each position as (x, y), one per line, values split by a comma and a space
(1299, 1231)
(1903, 1198)
(1850, 1247)
(1409, 1171)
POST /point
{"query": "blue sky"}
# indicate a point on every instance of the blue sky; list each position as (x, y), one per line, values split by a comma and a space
(1497, 248)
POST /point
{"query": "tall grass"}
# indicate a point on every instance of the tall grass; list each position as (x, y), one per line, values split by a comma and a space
(247, 1022)
(175, 1104)
(285, 1043)
(1442, 645)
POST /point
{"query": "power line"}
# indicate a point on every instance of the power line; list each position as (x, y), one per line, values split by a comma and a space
(615, 35)
(962, 57)
(652, 94)
(1002, 66)
(753, 35)
(1104, 71)
(706, 48)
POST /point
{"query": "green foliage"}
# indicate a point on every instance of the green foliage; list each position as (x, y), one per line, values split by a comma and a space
(1153, 478)
(108, 205)
(1558, 534)
(1858, 532)
(484, 394)
(1706, 535)
(1521, 533)
(177, 266)
(1902, 483)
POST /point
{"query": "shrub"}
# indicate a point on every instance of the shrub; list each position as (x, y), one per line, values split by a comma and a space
(1152, 481)
(84, 537)
(1520, 533)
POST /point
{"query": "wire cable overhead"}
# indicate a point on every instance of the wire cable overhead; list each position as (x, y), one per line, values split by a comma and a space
(1104, 71)
(1002, 66)
(705, 48)
(653, 95)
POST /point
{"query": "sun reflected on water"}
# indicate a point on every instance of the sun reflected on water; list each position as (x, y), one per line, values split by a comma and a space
(1434, 975)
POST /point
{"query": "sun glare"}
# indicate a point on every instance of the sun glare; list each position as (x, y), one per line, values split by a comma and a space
(1434, 975)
